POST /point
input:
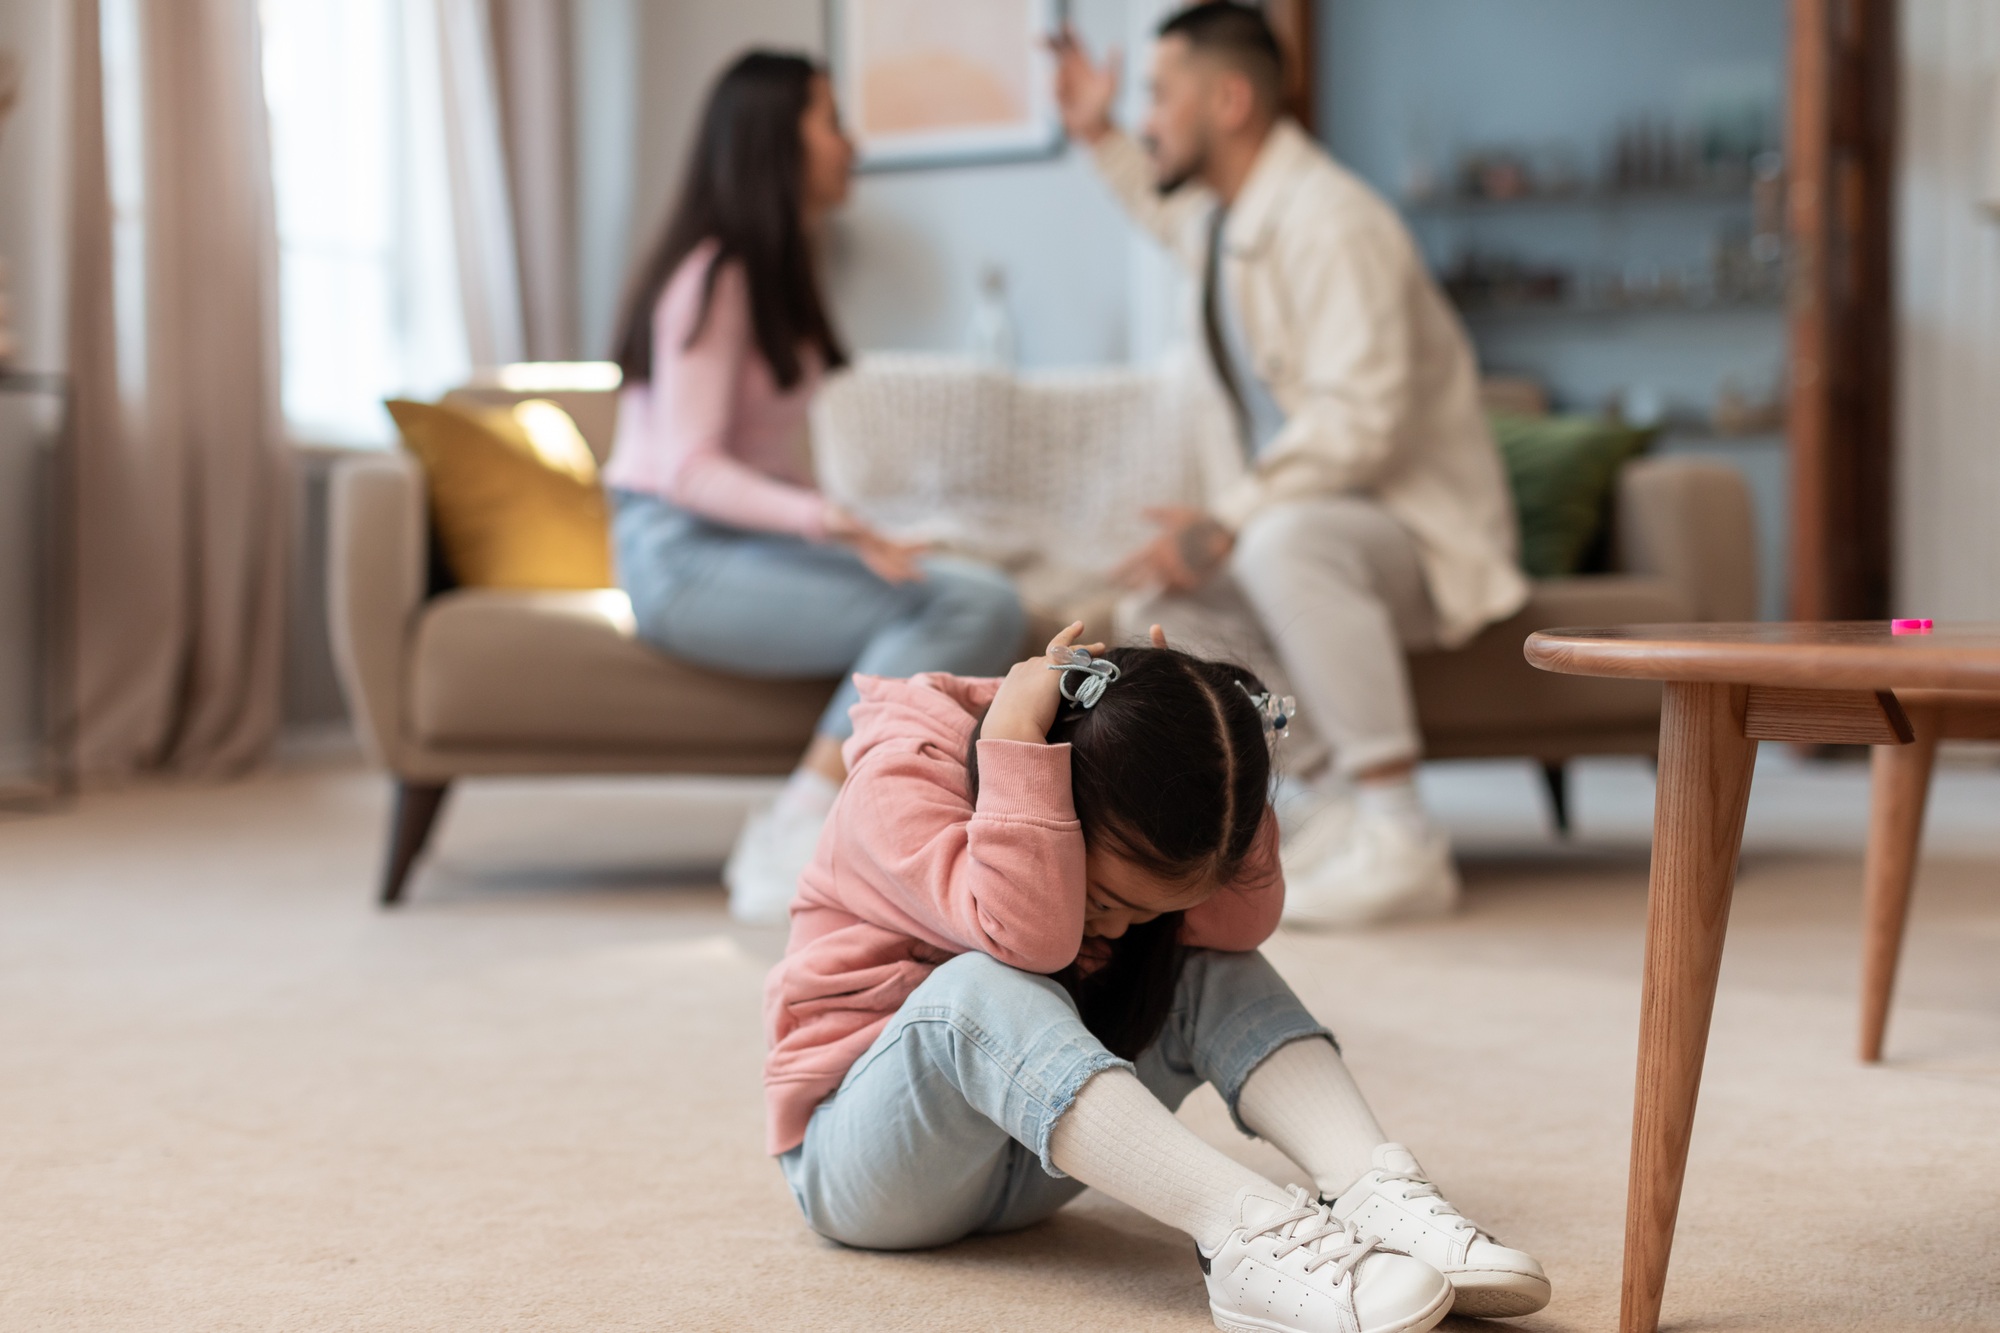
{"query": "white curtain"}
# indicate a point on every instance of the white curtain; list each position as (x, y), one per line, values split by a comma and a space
(482, 200)
(505, 88)
(534, 61)
(1989, 189)
(183, 479)
(182, 482)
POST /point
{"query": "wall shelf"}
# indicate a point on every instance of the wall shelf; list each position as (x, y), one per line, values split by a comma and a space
(1701, 434)
(1733, 192)
(1486, 310)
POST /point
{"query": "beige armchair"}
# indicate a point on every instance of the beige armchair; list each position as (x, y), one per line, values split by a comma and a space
(477, 682)
(481, 682)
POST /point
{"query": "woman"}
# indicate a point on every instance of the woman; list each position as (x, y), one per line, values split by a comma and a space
(732, 557)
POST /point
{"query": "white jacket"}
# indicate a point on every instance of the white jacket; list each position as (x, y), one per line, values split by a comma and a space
(1361, 351)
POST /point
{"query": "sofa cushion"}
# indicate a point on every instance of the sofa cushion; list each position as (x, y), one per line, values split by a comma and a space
(564, 669)
(594, 411)
(1488, 688)
(514, 495)
(1561, 470)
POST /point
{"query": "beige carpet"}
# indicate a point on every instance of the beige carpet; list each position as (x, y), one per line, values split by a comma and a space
(234, 1096)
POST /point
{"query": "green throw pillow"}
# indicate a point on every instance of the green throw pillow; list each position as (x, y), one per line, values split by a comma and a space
(1561, 470)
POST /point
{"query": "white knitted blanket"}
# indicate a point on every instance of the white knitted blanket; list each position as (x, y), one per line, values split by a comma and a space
(1044, 474)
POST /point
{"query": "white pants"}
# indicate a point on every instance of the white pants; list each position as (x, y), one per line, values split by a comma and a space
(1321, 598)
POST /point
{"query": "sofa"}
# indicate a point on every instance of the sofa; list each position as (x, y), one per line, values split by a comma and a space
(1043, 474)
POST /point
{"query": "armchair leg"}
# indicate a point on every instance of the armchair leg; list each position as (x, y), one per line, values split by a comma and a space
(1555, 776)
(417, 806)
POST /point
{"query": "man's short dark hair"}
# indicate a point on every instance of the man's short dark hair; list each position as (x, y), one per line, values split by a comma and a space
(1240, 37)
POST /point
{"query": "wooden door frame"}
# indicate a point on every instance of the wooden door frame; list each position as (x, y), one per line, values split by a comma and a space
(1840, 150)
(1292, 21)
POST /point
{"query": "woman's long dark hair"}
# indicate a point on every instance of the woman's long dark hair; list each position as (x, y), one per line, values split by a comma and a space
(744, 190)
(1172, 769)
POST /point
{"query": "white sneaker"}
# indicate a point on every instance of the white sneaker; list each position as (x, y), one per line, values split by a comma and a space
(1292, 1265)
(1397, 1204)
(762, 873)
(1367, 868)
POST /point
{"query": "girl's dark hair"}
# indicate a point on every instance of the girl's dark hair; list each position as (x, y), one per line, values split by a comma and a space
(1170, 768)
(744, 190)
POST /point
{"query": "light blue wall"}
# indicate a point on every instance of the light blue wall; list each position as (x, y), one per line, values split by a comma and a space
(910, 246)
(1519, 70)
(1404, 82)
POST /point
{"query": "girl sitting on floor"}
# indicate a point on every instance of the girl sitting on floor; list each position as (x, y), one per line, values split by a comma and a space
(1029, 931)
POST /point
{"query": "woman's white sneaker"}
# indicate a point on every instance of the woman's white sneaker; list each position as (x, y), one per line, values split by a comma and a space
(762, 873)
(1291, 1265)
(1398, 1205)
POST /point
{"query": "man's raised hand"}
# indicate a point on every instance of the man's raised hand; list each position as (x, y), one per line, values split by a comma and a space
(1085, 92)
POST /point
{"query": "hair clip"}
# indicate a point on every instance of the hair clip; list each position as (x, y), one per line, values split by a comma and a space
(1097, 675)
(1277, 710)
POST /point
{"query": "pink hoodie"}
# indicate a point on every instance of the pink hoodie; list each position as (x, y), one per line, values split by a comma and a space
(911, 872)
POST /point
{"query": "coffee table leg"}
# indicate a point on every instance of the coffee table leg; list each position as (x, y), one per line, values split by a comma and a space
(1900, 785)
(1704, 786)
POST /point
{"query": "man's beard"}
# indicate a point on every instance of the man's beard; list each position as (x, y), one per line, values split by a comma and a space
(1192, 168)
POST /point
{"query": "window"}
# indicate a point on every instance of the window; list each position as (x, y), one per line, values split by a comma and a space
(125, 172)
(368, 289)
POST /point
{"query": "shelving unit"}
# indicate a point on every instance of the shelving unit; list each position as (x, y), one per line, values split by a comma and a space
(1604, 202)
(1629, 279)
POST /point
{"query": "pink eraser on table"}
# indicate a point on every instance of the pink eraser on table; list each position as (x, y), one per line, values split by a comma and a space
(1909, 627)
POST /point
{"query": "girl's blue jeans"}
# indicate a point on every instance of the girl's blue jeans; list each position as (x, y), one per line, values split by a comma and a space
(781, 607)
(941, 1129)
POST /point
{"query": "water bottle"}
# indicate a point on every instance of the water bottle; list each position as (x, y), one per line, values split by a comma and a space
(992, 339)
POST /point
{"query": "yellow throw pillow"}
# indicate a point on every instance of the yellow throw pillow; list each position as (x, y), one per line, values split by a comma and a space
(514, 494)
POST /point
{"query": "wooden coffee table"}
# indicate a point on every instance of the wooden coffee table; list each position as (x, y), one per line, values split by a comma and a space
(1728, 687)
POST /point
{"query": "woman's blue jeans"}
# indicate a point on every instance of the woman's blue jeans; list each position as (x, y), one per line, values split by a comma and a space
(941, 1129)
(777, 606)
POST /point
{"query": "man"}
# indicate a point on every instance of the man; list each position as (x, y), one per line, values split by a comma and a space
(1367, 512)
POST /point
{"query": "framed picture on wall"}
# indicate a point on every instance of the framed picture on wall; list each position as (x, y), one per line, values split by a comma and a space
(942, 82)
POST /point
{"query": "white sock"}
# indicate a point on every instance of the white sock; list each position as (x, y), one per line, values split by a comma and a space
(807, 795)
(1397, 800)
(1305, 1103)
(1120, 1138)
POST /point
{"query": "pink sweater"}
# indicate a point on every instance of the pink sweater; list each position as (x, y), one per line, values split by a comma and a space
(712, 432)
(911, 871)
